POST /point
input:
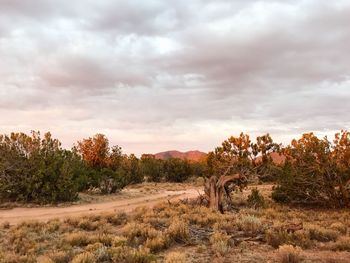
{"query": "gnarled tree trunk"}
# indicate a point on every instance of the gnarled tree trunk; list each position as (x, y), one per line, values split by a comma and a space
(215, 190)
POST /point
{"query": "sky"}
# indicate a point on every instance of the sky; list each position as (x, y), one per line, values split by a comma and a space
(162, 75)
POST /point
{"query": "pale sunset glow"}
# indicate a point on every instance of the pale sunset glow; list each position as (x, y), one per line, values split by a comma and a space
(160, 75)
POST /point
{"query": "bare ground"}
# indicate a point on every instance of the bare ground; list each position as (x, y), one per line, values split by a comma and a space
(17, 215)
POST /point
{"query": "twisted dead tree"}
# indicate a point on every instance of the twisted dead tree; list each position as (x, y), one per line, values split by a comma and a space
(230, 166)
(217, 190)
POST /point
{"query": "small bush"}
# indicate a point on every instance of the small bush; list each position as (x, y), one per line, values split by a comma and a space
(44, 259)
(322, 234)
(339, 227)
(157, 243)
(176, 257)
(220, 243)
(276, 238)
(60, 256)
(289, 254)
(88, 225)
(5, 225)
(137, 234)
(255, 199)
(342, 244)
(250, 224)
(117, 219)
(77, 239)
(178, 231)
(119, 241)
(85, 257)
(131, 255)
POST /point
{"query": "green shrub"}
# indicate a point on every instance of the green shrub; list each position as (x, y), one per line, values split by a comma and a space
(316, 172)
(176, 170)
(255, 199)
(36, 169)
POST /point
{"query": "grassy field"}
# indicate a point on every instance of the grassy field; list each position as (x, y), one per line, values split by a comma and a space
(185, 232)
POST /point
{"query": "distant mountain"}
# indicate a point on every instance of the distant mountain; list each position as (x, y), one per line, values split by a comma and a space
(277, 158)
(190, 155)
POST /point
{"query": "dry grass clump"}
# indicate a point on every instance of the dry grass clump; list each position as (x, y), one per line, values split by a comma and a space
(60, 256)
(225, 225)
(116, 219)
(339, 227)
(5, 225)
(322, 234)
(88, 224)
(137, 234)
(220, 243)
(131, 255)
(289, 254)
(85, 257)
(201, 216)
(250, 224)
(176, 257)
(178, 230)
(44, 259)
(342, 244)
(78, 239)
(72, 221)
(157, 243)
(276, 237)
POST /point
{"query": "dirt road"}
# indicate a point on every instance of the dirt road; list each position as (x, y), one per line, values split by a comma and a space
(16, 215)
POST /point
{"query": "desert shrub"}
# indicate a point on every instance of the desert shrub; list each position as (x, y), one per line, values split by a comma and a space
(131, 255)
(111, 181)
(102, 254)
(342, 244)
(220, 243)
(85, 257)
(339, 227)
(77, 239)
(176, 257)
(5, 225)
(250, 224)
(278, 237)
(255, 199)
(60, 256)
(44, 259)
(119, 241)
(178, 230)
(316, 172)
(87, 224)
(151, 168)
(176, 170)
(36, 169)
(289, 254)
(157, 243)
(137, 234)
(119, 218)
(322, 234)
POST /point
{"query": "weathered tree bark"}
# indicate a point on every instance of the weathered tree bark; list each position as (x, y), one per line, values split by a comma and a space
(215, 190)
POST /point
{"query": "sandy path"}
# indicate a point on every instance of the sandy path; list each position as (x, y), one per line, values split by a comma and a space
(16, 215)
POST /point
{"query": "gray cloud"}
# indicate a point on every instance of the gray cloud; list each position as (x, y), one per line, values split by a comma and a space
(162, 74)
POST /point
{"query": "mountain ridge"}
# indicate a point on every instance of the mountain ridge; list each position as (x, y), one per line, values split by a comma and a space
(193, 155)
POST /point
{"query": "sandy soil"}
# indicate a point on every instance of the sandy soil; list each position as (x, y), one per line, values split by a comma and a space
(17, 215)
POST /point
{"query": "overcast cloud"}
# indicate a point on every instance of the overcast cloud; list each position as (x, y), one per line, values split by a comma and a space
(159, 75)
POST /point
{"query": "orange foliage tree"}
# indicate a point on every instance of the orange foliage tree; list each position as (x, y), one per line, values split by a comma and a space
(95, 150)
